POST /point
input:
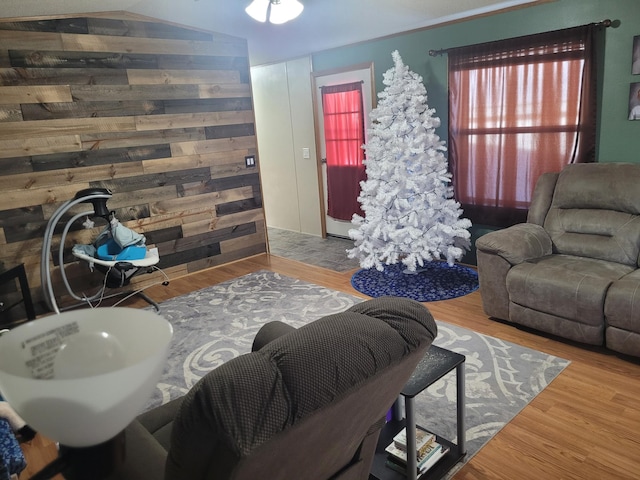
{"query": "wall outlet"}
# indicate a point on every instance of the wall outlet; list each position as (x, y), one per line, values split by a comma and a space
(250, 161)
(306, 153)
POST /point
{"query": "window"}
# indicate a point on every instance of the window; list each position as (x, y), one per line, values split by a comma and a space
(518, 108)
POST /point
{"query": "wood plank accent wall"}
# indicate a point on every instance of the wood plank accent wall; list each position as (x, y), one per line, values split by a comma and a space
(159, 114)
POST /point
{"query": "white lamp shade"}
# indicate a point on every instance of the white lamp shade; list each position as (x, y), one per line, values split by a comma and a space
(258, 10)
(81, 377)
(285, 10)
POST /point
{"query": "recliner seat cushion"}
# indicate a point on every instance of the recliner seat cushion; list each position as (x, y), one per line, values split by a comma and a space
(565, 286)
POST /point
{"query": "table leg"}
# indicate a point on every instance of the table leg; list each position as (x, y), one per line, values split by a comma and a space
(397, 409)
(460, 407)
(412, 454)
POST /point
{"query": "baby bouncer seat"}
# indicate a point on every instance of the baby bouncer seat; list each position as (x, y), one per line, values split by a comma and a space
(119, 252)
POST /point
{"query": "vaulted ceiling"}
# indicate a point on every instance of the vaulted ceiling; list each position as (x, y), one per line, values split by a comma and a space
(324, 24)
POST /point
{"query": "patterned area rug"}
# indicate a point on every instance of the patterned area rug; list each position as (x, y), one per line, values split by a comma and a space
(218, 323)
(435, 281)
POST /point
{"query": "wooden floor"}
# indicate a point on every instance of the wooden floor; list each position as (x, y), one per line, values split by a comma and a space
(585, 425)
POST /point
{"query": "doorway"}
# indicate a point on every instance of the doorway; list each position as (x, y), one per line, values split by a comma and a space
(361, 73)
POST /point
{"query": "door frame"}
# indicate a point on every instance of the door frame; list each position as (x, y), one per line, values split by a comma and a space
(318, 133)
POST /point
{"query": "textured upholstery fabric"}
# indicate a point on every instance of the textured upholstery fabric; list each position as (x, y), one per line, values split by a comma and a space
(306, 403)
(595, 212)
(518, 244)
(564, 285)
(622, 310)
(571, 269)
(541, 199)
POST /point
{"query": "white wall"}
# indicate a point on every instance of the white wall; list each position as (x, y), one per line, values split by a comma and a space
(283, 108)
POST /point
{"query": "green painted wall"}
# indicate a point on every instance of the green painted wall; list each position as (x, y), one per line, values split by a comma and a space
(618, 138)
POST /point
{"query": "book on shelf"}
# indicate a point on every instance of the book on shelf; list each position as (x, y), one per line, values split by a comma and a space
(423, 467)
(423, 437)
(422, 454)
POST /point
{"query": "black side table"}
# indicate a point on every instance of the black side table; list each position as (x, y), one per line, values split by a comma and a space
(20, 274)
(435, 365)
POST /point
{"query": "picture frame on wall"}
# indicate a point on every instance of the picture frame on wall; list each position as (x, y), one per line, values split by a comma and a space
(634, 101)
(635, 60)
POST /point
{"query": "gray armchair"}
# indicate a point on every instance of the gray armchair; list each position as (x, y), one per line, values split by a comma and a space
(572, 269)
(305, 403)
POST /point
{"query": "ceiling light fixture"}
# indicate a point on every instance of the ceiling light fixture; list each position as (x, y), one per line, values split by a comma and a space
(278, 11)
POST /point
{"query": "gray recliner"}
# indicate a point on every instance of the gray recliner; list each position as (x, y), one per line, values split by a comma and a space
(572, 269)
(306, 403)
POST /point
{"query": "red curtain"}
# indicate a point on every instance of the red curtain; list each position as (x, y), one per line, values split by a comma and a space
(344, 137)
(518, 108)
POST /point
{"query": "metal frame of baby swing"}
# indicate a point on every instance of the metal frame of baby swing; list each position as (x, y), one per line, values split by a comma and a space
(98, 197)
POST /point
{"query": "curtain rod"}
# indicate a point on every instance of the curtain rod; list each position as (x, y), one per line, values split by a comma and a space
(604, 23)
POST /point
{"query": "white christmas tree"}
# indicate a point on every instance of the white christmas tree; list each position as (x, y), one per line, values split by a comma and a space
(410, 214)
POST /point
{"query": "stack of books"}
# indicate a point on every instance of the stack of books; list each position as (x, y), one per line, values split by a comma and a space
(429, 451)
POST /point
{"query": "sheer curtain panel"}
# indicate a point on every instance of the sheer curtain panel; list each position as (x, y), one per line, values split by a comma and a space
(518, 108)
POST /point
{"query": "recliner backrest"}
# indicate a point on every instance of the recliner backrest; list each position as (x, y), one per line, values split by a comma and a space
(595, 212)
(306, 405)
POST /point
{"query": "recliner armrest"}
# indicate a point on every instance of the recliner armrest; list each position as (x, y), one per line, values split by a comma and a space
(517, 244)
(269, 332)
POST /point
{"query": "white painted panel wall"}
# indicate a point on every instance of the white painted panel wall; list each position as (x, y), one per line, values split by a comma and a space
(284, 126)
(300, 85)
(275, 146)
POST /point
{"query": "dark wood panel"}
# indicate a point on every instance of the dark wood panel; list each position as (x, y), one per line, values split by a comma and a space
(202, 62)
(134, 92)
(207, 105)
(62, 76)
(25, 231)
(62, 25)
(21, 216)
(227, 131)
(201, 241)
(119, 60)
(62, 59)
(227, 183)
(257, 195)
(47, 111)
(4, 58)
(132, 28)
(198, 187)
(15, 165)
(163, 235)
(87, 158)
(238, 206)
(130, 184)
(137, 139)
(168, 260)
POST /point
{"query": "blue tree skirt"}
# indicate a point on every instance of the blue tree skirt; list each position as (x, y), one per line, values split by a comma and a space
(435, 281)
